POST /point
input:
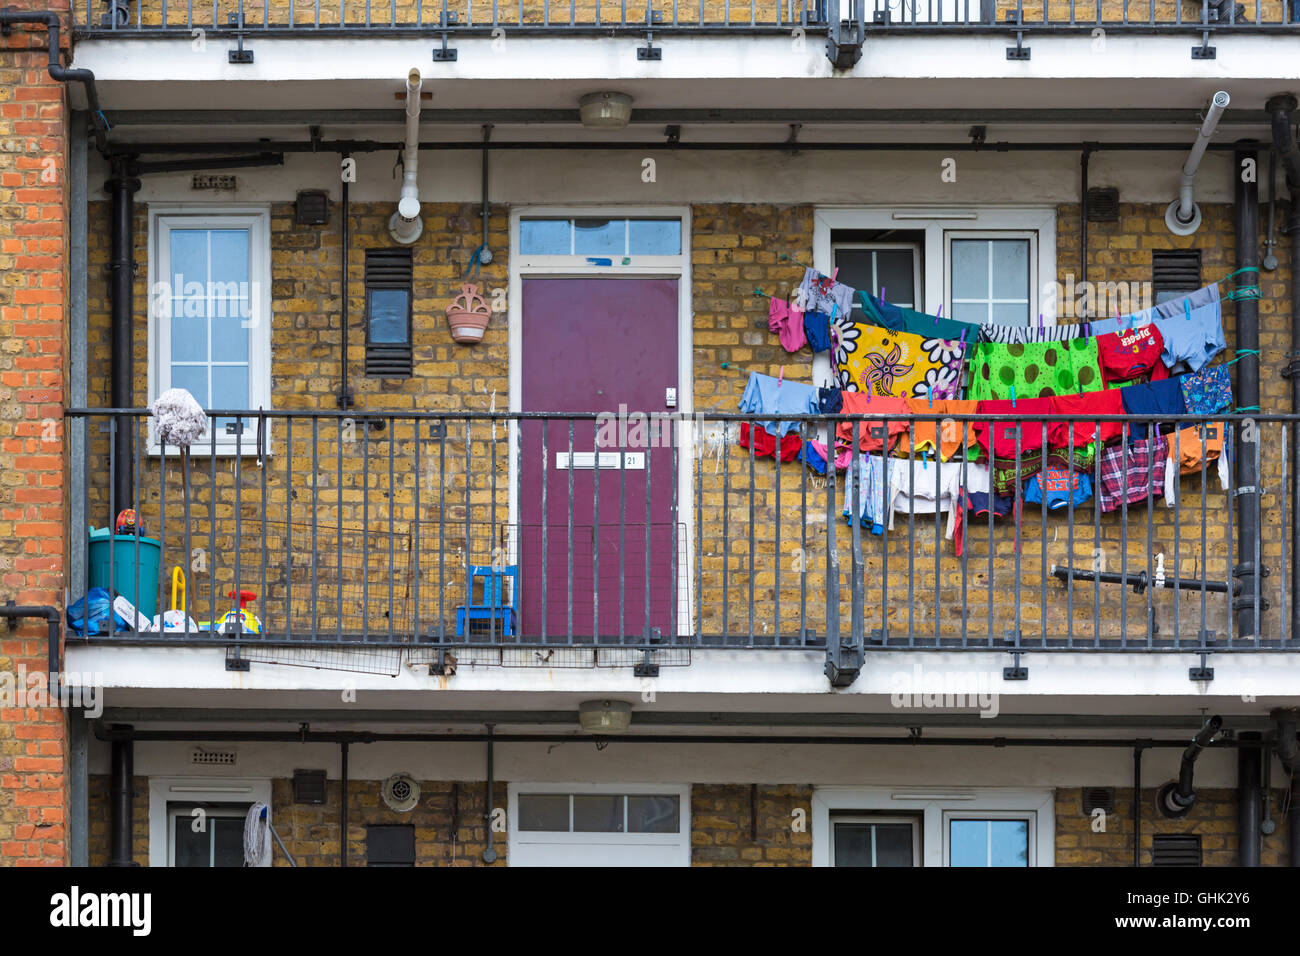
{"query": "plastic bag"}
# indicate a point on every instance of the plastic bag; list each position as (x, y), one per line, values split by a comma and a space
(89, 615)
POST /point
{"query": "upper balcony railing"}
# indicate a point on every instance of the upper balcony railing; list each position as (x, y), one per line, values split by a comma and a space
(546, 535)
(844, 21)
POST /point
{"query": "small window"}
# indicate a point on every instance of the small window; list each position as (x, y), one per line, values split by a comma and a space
(990, 278)
(206, 836)
(601, 238)
(599, 813)
(389, 278)
(390, 845)
(876, 841)
(893, 267)
(985, 841)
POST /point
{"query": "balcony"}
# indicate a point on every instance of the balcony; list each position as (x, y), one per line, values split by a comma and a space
(365, 533)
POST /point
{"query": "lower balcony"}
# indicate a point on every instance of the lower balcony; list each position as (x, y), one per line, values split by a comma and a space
(585, 540)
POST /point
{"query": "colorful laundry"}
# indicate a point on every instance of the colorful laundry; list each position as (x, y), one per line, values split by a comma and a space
(829, 401)
(1208, 391)
(861, 403)
(1080, 433)
(915, 487)
(1154, 400)
(1034, 370)
(1056, 488)
(1130, 353)
(1193, 448)
(943, 437)
(817, 330)
(1132, 472)
(902, 319)
(765, 395)
(899, 364)
(1024, 334)
(864, 483)
(819, 293)
(787, 322)
(1191, 326)
(813, 454)
(765, 443)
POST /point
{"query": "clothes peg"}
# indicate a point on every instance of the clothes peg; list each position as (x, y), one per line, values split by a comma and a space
(930, 395)
(1013, 396)
(939, 313)
(1187, 309)
(780, 376)
(868, 391)
(1040, 321)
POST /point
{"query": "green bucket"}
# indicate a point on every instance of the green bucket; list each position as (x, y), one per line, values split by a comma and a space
(122, 548)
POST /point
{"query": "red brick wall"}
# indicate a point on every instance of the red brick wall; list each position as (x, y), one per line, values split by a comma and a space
(33, 293)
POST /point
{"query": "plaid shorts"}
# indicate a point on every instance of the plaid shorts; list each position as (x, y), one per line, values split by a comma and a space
(1129, 472)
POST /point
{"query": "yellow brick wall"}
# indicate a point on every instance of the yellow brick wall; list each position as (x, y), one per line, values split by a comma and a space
(739, 825)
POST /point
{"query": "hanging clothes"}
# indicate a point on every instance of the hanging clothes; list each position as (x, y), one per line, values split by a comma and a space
(978, 500)
(902, 319)
(787, 322)
(819, 293)
(1132, 472)
(1055, 488)
(1034, 369)
(1129, 353)
(765, 395)
(1208, 391)
(899, 364)
(766, 444)
(1191, 327)
(1156, 399)
(1081, 433)
(864, 482)
(943, 438)
(1024, 334)
(860, 403)
(1188, 448)
(923, 487)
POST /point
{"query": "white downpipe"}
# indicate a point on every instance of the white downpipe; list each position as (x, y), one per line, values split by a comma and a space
(1183, 217)
(405, 225)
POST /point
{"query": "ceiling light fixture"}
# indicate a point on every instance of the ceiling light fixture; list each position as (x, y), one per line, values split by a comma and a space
(605, 110)
(605, 716)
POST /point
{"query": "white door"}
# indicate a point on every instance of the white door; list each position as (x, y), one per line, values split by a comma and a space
(599, 825)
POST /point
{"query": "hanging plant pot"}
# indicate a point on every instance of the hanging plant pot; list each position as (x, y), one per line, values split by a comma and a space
(468, 315)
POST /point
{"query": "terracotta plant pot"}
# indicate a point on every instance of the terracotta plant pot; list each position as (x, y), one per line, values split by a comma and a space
(468, 315)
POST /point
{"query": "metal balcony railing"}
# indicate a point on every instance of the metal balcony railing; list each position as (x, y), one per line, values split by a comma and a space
(555, 531)
(253, 18)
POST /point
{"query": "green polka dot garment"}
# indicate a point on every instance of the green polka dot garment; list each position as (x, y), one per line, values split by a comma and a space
(1034, 369)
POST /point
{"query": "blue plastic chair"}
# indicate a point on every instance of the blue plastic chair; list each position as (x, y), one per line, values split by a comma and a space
(487, 601)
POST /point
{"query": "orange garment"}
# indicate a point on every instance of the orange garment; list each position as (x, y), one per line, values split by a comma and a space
(1191, 449)
(857, 403)
(949, 432)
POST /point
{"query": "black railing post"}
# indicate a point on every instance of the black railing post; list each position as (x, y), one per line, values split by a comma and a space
(1245, 459)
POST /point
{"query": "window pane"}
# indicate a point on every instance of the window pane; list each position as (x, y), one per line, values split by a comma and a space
(873, 844)
(658, 813)
(230, 386)
(189, 257)
(597, 813)
(230, 256)
(599, 237)
(988, 843)
(856, 272)
(970, 269)
(227, 840)
(894, 272)
(544, 811)
(1008, 313)
(976, 312)
(1010, 268)
(194, 379)
(192, 849)
(544, 237)
(388, 310)
(654, 237)
(189, 338)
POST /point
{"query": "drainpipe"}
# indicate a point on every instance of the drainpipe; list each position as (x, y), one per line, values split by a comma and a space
(343, 804)
(122, 851)
(99, 125)
(1183, 217)
(1249, 795)
(12, 612)
(405, 225)
(1246, 452)
(1281, 110)
(1288, 752)
(122, 187)
(345, 395)
(1175, 798)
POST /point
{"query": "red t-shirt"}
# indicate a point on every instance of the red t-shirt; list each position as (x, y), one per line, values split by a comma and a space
(1129, 353)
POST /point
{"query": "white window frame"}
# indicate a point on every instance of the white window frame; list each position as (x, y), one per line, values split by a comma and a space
(989, 236)
(937, 805)
(257, 219)
(981, 815)
(913, 247)
(935, 222)
(165, 790)
(178, 814)
(682, 838)
(913, 821)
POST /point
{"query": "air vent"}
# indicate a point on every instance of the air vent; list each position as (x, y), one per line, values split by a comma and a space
(390, 844)
(400, 792)
(1103, 204)
(389, 278)
(1175, 272)
(1176, 849)
(312, 208)
(212, 758)
(212, 181)
(1098, 798)
(309, 786)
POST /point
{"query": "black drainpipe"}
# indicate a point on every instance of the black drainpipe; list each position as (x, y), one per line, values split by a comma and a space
(345, 396)
(13, 612)
(1137, 805)
(1249, 796)
(1175, 798)
(122, 851)
(122, 186)
(1281, 110)
(1247, 484)
(343, 804)
(1084, 158)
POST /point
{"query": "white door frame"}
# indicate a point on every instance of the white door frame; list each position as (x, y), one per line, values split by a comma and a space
(577, 267)
(198, 790)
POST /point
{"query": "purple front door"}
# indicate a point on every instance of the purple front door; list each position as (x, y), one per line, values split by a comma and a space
(598, 346)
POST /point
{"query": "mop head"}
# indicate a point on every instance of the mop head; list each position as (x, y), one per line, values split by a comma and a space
(257, 836)
(178, 417)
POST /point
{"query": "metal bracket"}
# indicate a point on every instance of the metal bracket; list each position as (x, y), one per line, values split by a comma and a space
(13, 619)
(645, 667)
(1019, 51)
(239, 55)
(1203, 672)
(792, 140)
(843, 664)
(234, 662)
(1204, 51)
(1246, 490)
(1015, 671)
(978, 134)
(650, 51)
(672, 135)
(844, 44)
(446, 54)
(880, 636)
